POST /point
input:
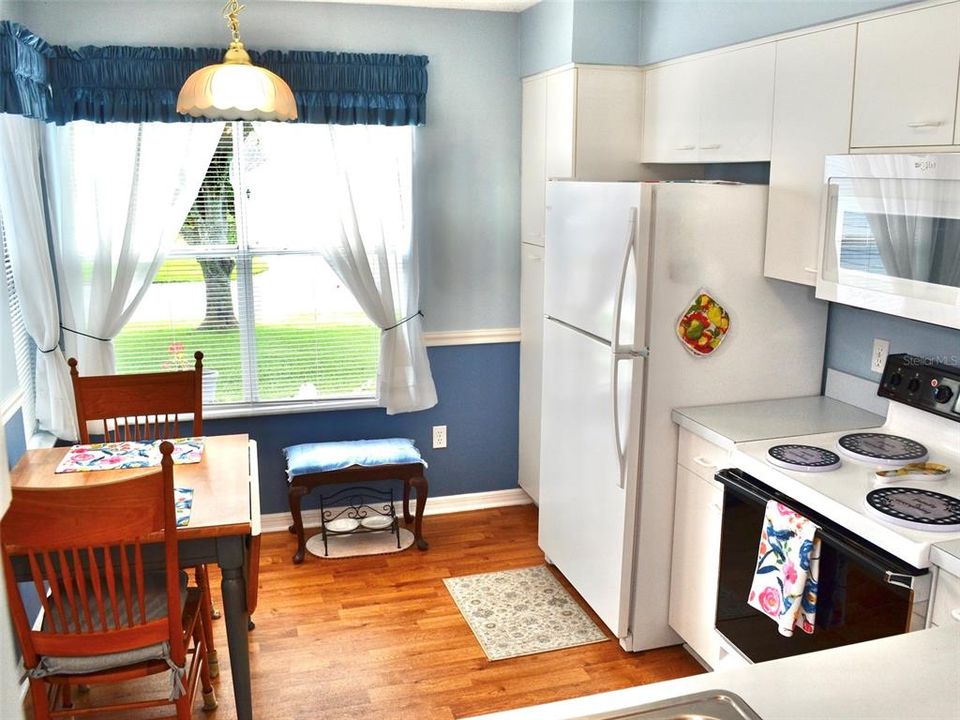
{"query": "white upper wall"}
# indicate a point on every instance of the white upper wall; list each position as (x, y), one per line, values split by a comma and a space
(466, 171)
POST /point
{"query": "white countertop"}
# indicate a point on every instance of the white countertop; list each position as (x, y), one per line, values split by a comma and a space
(725, 425)
(947, 555)
(916, 676)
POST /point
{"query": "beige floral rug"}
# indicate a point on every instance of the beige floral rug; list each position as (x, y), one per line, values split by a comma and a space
(521, 612)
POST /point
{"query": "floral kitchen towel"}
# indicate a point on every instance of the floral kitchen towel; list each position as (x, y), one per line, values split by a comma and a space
(123, 455)
(785, 583)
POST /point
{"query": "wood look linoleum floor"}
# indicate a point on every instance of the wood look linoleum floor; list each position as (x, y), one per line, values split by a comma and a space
(380, 637)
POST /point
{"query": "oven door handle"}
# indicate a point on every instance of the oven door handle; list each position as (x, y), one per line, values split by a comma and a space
(899, 579)
(867, 554)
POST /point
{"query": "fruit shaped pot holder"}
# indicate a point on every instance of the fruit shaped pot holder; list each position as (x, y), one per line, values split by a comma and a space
(703, 325)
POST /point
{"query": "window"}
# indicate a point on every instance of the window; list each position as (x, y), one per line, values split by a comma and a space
(245, 284)
(24, 349)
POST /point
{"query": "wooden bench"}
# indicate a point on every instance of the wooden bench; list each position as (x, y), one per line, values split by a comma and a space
(355, 462)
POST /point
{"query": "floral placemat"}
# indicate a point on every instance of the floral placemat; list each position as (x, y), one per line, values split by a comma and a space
(183, 500)
(124, 455)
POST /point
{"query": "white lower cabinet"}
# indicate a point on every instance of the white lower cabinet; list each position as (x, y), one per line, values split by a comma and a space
(695, 563)
(945, 602)
(531, 363)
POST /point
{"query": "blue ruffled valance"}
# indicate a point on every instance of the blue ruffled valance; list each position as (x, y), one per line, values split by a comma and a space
(24, 88)
(140, 84)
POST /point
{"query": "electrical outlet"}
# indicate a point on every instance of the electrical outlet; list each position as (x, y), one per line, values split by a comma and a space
(439, 436)
(878, 359)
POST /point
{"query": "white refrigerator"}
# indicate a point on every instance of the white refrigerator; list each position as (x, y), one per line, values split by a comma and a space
(623, 262)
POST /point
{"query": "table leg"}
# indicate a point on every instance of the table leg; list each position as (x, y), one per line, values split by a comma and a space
(421, 486)
(296, 494)
(234, 591)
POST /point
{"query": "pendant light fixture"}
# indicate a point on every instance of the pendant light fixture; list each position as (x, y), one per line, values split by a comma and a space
(236, 89)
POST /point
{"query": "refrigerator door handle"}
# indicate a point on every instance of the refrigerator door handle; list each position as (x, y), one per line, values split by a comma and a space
(618, 304)
(616, 353)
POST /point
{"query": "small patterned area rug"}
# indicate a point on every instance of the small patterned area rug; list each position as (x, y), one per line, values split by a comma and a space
(521, 612)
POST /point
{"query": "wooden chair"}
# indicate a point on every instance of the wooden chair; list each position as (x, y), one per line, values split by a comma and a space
(139, 407)
(106, 618)
(143, 407)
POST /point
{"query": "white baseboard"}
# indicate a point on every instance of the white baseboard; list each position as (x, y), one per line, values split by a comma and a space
(277, 522)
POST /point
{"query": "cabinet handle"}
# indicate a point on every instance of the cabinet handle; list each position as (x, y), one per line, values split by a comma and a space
(955, 614)
(710, 147)
(812, 270)
(925, 123)
(685, 147)
(703, 462)
(535, 258)
(716, 506)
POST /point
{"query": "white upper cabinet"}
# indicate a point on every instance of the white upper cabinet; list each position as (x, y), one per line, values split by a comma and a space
(561, 111)
(906, 80)
(579, 123)
(736, 109)
(532, 160)
(811, 119)
(718, 108)
(671, 116)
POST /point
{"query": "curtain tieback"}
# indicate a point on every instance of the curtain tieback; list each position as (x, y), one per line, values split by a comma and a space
(418, 313)
(77, 332)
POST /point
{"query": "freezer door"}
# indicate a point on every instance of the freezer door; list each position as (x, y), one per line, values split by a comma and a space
(588, 477)
(589, 226)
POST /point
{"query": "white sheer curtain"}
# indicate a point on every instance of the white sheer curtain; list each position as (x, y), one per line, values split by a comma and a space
(118, 194)
(21, 203)
(349, 190)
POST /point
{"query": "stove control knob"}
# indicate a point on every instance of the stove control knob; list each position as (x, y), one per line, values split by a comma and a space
(895, 380)
(943, 394)
(913, 385)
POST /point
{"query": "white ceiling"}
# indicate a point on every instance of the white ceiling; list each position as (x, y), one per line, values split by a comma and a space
(497, 5)
(494, 5)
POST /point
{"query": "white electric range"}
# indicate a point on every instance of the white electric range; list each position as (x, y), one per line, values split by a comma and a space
(922, 426)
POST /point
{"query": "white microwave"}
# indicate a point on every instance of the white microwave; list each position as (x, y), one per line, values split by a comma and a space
(891, 235)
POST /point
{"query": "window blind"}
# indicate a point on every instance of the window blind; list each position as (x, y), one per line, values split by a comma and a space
(24, 348)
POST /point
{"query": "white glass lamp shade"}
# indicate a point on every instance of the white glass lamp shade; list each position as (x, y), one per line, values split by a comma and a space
(236, 90)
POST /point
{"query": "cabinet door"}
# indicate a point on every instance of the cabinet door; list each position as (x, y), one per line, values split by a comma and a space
(533, 145)
(609, 116)
(561, 111)
(531, 362)
(736, 110)
(695, 564)
(811, 119)
(671, 114)
(906, 82)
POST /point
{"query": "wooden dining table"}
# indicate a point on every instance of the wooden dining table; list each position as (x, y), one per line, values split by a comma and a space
(224, 516)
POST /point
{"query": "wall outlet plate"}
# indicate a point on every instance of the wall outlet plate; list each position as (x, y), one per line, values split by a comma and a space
(439, 436)
(878, 359)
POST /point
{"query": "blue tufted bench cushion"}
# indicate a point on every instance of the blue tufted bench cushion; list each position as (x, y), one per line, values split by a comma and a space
(310, 458)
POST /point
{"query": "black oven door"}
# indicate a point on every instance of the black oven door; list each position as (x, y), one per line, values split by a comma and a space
(864, 592)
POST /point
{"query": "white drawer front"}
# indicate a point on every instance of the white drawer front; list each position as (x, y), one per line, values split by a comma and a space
(946, 600)
(699, 456)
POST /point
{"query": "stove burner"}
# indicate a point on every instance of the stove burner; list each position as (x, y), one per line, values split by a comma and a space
(916, 509)
(882, 449)
(803, 458)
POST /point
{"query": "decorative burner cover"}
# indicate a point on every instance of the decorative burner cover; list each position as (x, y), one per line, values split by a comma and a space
(882, 449)
(803, 458)
(916, 509)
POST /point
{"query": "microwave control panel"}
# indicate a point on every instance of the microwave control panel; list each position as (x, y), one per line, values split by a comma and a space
(922, 383)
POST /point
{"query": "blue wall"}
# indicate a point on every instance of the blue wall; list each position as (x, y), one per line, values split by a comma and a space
(478, 387)
(545, 36)
(672, 28)
(467, 165)
(851, 332)
(606, 32)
